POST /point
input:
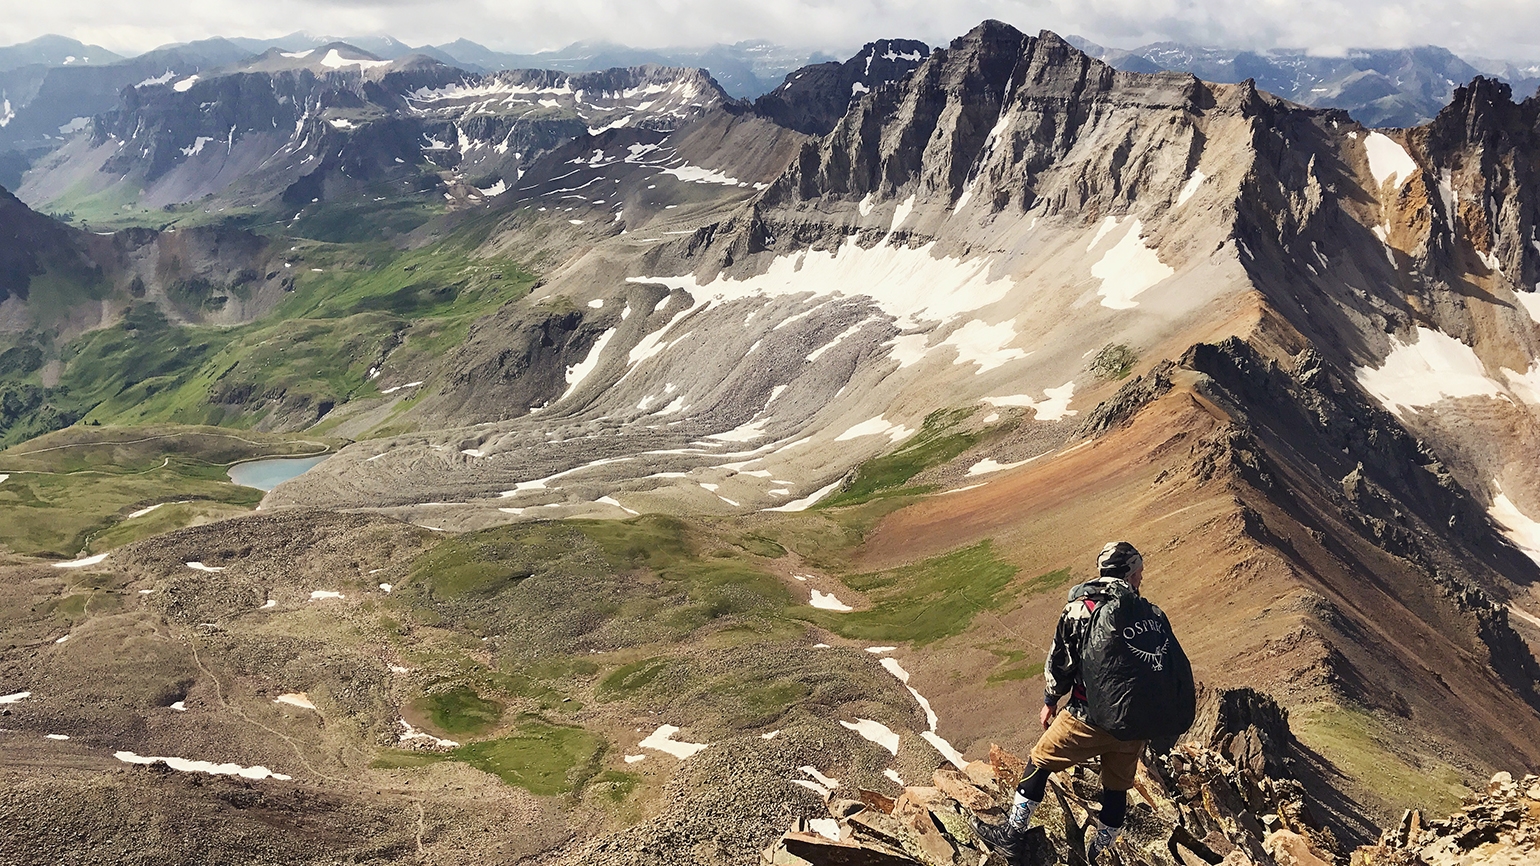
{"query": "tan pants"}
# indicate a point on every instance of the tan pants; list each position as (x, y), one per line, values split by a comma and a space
(1069, 741)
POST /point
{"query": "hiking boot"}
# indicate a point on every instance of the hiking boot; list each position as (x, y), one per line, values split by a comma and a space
(1004, 838)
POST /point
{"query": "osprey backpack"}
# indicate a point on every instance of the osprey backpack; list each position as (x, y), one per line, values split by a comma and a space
(1138, 681)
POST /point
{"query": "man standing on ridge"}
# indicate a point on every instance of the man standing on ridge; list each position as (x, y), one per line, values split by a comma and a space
(1128, 681)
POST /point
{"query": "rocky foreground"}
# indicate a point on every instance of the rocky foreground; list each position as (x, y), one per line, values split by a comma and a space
(1225, 796)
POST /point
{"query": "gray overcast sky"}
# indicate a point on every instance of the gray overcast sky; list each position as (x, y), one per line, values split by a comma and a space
(1491, 28)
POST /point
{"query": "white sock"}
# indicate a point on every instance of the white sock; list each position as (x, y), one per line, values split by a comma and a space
(1102, 839)
(1021, 812)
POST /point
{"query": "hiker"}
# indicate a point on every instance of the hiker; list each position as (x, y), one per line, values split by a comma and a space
(1128, 682)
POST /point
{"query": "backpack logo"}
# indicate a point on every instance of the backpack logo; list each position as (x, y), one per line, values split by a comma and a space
(1146, 629)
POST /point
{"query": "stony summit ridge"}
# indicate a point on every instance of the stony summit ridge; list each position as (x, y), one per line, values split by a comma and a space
(407, 463)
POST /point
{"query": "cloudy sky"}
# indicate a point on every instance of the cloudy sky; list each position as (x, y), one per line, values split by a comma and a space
(1490, 28)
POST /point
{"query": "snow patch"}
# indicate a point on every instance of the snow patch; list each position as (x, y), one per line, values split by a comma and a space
(81, 563)
(1517, 526)
(1053, 407)
(185, 84)
(610, 500)
(811, 499)
(910, 285)
(412, 733)
(163, 78)
(1388, 160)
(198, 566)
(1190, 187)
(580, 371)
(984, 345)
(696, 174)
(662, 740)
(988, 465)
(945, 748)
(876, 732)
(892, 666)
(14, 697)
(820, 778)
(334, 60)
(1128, 269)
(901, 213)
(827, 601)
(876, 426)
(187, 765)
(1422, 373)
(321, 594)
(829, 828)
(295, 699)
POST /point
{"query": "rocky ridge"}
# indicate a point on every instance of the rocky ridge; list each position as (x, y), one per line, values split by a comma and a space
(1224, 795)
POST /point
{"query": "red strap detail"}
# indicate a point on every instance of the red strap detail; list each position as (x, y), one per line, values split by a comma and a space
(1090, 605)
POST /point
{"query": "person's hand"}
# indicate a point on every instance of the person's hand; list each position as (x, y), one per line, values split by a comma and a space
(1049, 711)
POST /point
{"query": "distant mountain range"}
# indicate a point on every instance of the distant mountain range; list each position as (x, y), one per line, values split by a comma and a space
(1399, 88)
(52, 86)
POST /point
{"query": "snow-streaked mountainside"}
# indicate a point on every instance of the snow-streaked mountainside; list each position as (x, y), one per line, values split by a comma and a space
(731, 457)
(334, 121)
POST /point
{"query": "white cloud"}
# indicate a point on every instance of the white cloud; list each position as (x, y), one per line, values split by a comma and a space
(1503, 28)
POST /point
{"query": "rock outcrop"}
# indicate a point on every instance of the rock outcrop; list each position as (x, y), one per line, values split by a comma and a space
(1222, 796)
(1497, 827)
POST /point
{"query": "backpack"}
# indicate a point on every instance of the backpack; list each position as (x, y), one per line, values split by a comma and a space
(1138, 681)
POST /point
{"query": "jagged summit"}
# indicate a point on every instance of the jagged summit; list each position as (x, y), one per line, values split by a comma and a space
(814, 98)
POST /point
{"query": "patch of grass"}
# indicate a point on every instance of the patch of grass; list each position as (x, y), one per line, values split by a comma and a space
(923, 602)
(1013, 666)
(400, 759)
(628, 679)
(652, 541)
(760, 546)
(1059, 578)
(936, 443)
(362, 219)
(615, 785)
(1361, 748)
(461, 711)
(72, 490)
(542, 758)
(168, 517)
(752, 703)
